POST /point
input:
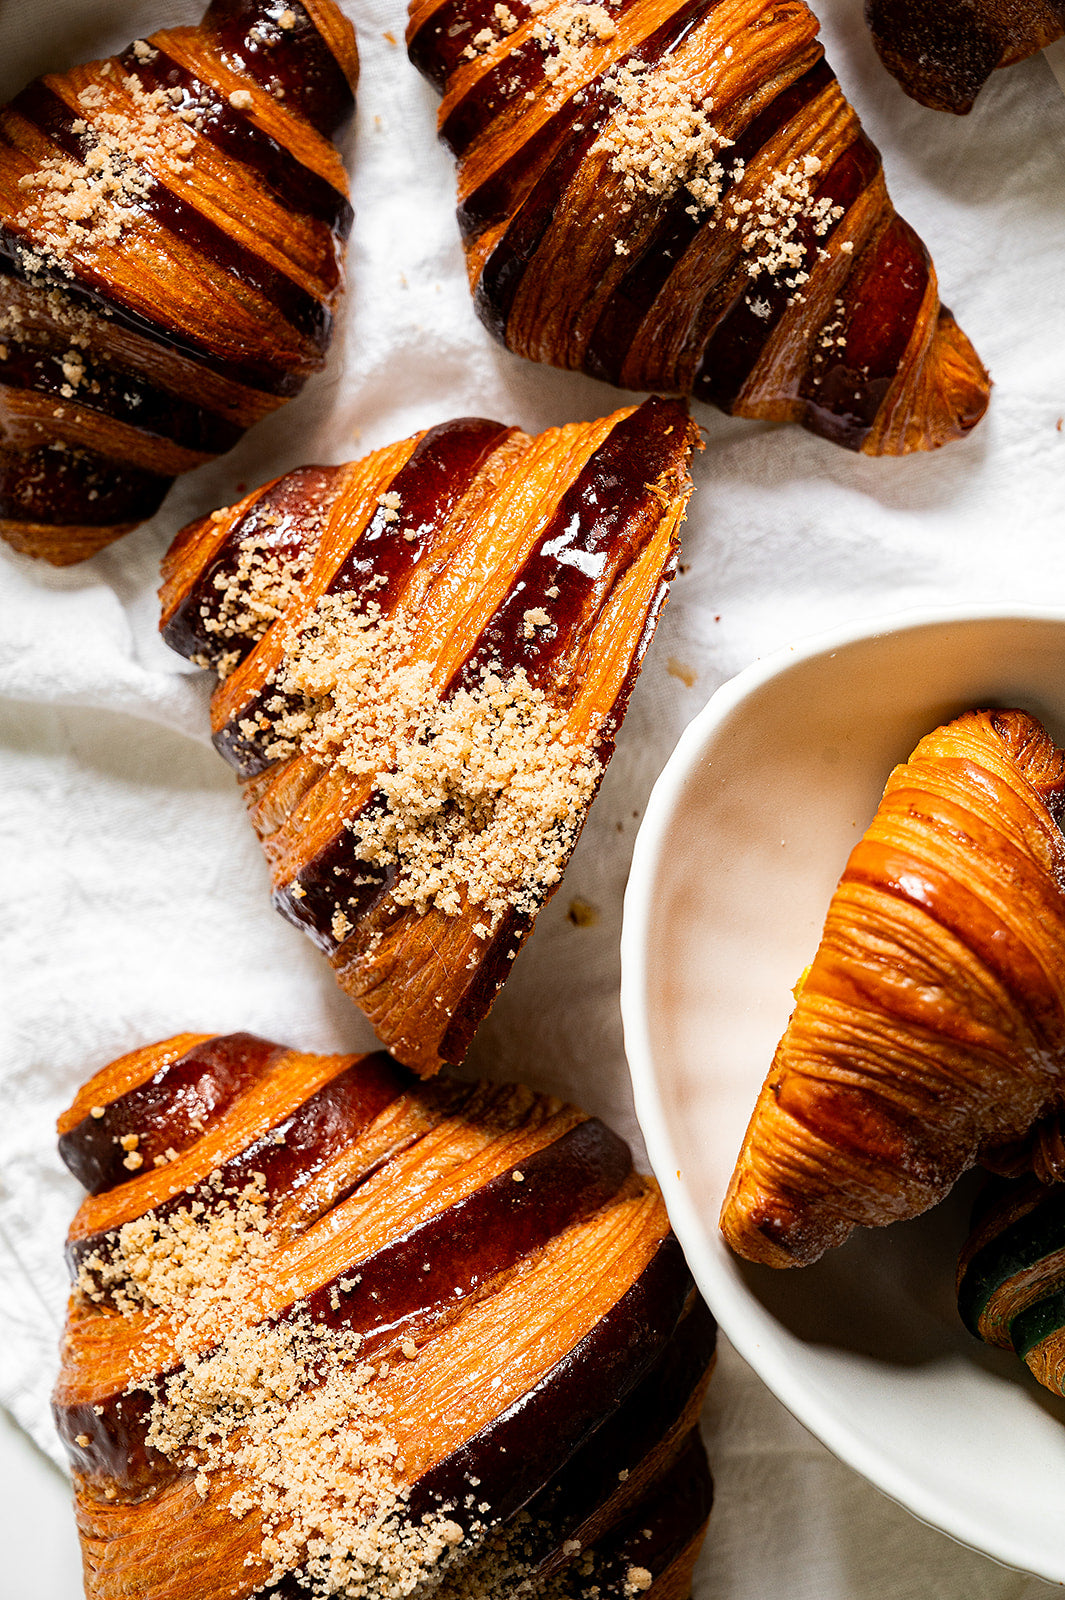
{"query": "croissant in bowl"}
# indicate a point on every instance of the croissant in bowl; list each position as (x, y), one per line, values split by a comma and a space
(677, 196)
(425, 658)
(335, 1331)
(944, 51)
(929, 1031)
(172, 223)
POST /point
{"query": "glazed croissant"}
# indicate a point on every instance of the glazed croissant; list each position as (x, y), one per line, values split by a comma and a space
(339, 1332)
(930, 1029)
(425, 657)
(944, 51)
(678, 197)
(1011, 1276)
(172, 224)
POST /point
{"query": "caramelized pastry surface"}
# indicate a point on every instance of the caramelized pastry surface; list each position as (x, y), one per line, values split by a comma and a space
(929, 1032)
(678, 197)
(365, 1336)
(172, 224)
(425, 657)
(944, 51)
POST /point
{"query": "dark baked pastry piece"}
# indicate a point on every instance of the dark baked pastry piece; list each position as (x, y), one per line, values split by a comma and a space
(172, 224)
(929, 1031)
(425, 657)
(1011, 1276)
(344, 1333)
(677, 196)
(944, 51)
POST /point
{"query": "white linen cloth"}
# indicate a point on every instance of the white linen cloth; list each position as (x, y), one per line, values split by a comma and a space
(138, 903)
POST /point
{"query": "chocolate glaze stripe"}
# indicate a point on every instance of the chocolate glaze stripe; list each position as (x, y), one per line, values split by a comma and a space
(633, 296)
(52, 486)
(545, 163)
(876, 331)
(612, 1455)
(514, 1454)
(298, 187)
(290, 1154)
(277, 520)
(124, 397)
(474, 1240)
(518, 73)
(441, 469)
(578, 548)
(296, 60)
(170, 1110)
(1007, 1255)
(99, 296)
(382, 1296)
(437, 47)
(44, 109)
(663, 1525)
(741, 334)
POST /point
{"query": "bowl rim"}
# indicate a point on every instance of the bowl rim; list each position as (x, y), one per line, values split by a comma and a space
(750, 1328)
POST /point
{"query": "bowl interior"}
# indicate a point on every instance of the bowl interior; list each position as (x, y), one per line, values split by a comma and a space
(743, 843)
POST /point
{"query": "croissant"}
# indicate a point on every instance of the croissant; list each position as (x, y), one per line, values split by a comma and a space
(335, 1331)
(1011, 1275)
(172, 223)
(678, 197)
(424, 658)
(944, 51)
(930, 1029)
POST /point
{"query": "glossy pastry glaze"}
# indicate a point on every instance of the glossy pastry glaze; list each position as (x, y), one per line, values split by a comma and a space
(172, 224)
(944, 51)
(541, 563)
(754, 261)
(518, 1297)
(929, 1030)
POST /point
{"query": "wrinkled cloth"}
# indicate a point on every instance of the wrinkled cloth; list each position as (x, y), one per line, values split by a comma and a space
(138, 902)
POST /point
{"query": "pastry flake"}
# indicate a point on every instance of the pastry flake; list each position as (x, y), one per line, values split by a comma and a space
(172, 225)
(425, 657)
(349, 1334)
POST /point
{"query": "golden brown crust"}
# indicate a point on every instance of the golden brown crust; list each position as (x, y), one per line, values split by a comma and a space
(174, 221)
(360, 1331)
(930, 1027)
(679, 197)
(425, 657)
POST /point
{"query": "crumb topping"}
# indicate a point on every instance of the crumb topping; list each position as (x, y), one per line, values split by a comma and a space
(768, 223)
(661, 139)
(479, 796)
(253, 594)
(285, 1406)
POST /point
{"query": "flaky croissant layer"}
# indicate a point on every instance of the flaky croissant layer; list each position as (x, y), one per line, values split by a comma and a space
(337, 1332)
(171, 246)
(677, 196)
(930, 1028)
(425, 658)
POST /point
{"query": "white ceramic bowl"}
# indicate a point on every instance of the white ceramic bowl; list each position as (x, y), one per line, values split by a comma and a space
(745, 836)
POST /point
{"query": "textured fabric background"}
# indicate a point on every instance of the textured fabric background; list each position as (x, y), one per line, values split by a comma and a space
(137, 898)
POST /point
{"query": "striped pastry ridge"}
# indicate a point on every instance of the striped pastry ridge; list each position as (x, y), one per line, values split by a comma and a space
(482, 1262)
(929, 1030)
(171, 246)
(544, 561)
(753, 260)
(1011, 1275)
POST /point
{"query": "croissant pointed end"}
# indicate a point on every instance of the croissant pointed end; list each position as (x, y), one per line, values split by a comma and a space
(955, 391)
(60, 546)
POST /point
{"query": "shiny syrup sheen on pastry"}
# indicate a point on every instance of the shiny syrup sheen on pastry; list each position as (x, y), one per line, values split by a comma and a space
(677, 196)
(172, 225)
(337, 1331)
(944, 51)
(425, 657)
(929, 1031)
